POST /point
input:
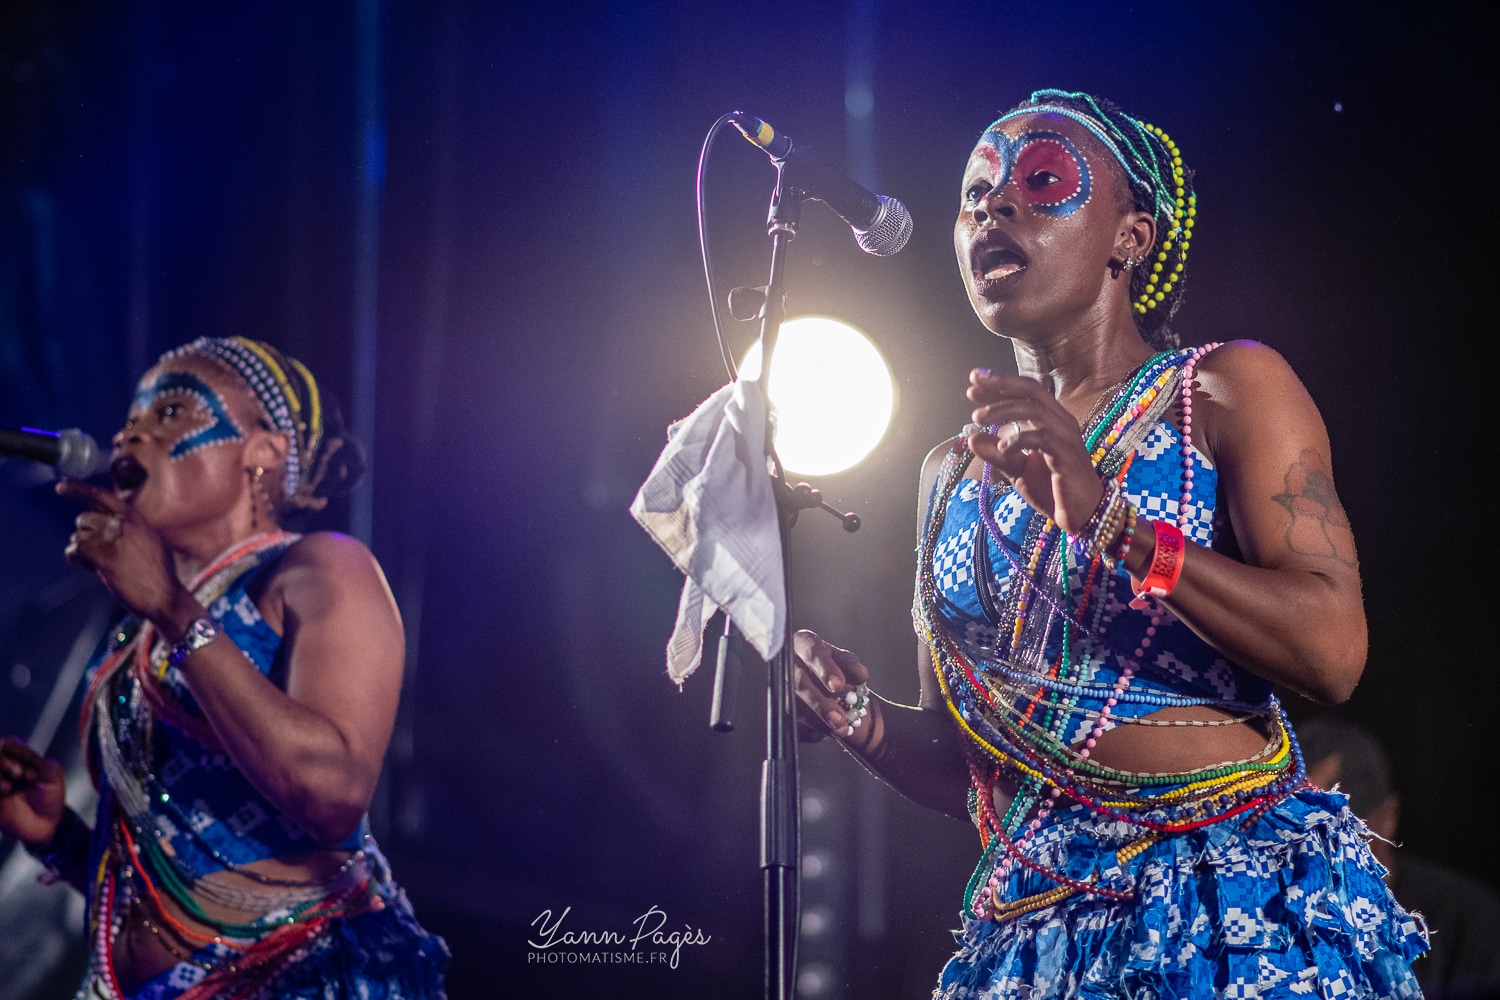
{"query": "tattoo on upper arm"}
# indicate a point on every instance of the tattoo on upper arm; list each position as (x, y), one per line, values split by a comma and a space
(1319, 526)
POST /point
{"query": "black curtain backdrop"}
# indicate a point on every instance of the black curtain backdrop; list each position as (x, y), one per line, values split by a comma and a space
(169, 170)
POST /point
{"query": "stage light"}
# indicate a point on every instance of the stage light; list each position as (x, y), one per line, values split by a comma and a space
(832, 392)
(815, 980)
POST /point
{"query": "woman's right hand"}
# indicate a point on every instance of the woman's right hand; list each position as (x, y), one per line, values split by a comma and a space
(825, 674)
(32, 793)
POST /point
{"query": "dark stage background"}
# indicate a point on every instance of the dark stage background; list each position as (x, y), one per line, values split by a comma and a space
(489, 208)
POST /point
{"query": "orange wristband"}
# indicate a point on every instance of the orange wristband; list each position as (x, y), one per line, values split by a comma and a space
(1166, 562)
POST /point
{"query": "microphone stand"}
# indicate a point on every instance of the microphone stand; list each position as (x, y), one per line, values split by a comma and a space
(780, 834)
(780, 802)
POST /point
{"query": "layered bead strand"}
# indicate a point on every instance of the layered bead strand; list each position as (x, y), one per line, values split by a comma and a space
(1189, 373)
(1046, 767)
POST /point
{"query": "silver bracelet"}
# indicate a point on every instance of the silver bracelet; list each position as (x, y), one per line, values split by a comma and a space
(200, 632)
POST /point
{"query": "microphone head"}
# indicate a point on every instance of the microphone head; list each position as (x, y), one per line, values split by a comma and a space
(890, 230)
(78, 455)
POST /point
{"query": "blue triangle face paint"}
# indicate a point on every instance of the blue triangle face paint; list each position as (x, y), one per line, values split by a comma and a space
(1049, 172)
(220, 427)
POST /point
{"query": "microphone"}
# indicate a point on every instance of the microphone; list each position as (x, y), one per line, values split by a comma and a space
(72, 453)
(881, 225)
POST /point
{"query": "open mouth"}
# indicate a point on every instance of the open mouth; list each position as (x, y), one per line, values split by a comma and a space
(995, 256)
(128, 473)
(1000, 262)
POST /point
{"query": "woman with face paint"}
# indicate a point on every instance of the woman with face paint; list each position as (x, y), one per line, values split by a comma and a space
(236, 719)
(1118, 559)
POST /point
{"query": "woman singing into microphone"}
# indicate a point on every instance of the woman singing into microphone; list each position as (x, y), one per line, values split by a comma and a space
(236, 719)
(1119, 558)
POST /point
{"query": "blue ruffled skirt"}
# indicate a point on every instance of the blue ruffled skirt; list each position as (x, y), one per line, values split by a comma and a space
(1293, 906)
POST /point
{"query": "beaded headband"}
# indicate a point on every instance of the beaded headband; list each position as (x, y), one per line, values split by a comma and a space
(1176, 207)
(269, 375)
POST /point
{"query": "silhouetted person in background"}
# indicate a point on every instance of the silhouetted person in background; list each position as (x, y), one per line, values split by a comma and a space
(1463, 915)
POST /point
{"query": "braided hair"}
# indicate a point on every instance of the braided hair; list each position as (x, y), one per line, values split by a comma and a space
(1158, 183)
(322, 460)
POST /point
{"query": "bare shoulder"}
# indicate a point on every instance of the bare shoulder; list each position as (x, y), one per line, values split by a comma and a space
(1248, 390)
(1271, 446)
(1241, 367)
(325, 570)
(329, 552)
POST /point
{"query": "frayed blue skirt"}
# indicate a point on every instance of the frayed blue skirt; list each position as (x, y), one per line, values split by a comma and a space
(1293, 906)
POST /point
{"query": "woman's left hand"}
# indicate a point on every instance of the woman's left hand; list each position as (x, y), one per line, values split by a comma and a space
(1039, 447)
(116, 543)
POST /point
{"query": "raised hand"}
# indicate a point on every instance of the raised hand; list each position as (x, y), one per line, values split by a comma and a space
(113, 539)
(1038, 446)
(32, 793)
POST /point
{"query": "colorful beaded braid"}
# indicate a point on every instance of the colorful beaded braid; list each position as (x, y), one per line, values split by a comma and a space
(1029, 744)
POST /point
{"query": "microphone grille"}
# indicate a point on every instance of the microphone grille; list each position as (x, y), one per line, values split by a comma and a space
(78, 455)
(890, 230)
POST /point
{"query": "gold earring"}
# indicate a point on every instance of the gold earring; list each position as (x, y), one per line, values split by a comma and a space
(256, 493)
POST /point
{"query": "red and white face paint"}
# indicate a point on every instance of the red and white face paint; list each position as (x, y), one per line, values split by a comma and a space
(1048, 171)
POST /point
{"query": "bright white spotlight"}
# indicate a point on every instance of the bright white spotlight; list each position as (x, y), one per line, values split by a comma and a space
(832, 392)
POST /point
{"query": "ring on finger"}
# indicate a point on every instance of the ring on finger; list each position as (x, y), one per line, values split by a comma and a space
(109, 528)
(856, 705)
(1015, 427)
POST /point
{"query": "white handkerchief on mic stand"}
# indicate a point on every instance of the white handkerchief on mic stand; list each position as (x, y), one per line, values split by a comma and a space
(708, 503)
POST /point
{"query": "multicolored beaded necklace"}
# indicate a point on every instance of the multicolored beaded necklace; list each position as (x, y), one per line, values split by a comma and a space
(138, 867)
(1029, 745)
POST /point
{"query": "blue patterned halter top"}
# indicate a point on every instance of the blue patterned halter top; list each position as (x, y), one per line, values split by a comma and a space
(976, 596)
(205, 810)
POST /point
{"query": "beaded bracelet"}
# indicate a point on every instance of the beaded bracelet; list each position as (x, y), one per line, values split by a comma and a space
(1166, 563)
(1109, 528)
(1104, 523)
(1101, 510)
(1126, 537)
